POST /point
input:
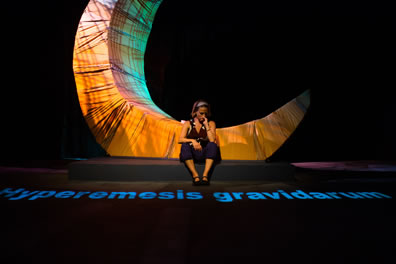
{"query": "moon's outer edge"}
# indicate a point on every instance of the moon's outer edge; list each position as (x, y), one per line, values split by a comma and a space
(124, 125)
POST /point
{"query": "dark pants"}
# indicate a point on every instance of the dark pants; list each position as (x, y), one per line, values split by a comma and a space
(208, 152)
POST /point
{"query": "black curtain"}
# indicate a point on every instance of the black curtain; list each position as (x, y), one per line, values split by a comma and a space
(245, 63)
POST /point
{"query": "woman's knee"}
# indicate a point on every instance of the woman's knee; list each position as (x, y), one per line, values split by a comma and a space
(211, 150)
(211, 146)
(185, 146)
(185, 152)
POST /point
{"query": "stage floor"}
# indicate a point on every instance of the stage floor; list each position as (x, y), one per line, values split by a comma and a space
(148, 169)
(61, 220)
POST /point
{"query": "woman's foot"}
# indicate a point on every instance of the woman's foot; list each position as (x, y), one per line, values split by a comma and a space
(205, 180)
(196, 180)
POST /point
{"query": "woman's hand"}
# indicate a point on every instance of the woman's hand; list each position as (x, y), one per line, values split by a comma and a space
(206, 123)
(196, 145)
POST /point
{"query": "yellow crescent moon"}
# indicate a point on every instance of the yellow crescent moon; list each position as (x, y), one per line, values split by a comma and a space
(108, 65)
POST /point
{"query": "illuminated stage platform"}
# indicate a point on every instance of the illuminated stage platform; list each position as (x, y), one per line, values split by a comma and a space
(146, 169)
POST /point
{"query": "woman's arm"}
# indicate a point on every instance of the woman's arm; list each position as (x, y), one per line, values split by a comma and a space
(183, 135)
(210, 130)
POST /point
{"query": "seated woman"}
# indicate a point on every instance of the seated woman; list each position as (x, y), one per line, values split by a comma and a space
(198, 139)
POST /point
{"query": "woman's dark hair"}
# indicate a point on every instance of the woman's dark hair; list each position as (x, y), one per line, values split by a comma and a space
(198, 104)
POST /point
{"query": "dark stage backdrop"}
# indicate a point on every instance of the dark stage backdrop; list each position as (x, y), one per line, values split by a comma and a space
(245, 60)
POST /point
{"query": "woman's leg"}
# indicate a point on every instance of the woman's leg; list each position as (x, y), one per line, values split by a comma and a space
(211, 154)
(186, 156)
(208, 166)
(191, 166)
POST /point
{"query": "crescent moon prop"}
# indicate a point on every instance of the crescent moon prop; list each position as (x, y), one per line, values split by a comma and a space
(108, 67)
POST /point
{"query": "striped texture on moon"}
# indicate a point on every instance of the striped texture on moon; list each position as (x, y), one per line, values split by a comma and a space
(108, 67)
